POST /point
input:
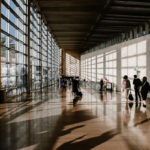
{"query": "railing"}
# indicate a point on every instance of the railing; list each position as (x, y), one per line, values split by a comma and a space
(93, 85)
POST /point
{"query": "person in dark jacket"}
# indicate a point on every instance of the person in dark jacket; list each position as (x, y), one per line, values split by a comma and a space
(101, 84)
(137, 83)
(144, 90)
(74, 86)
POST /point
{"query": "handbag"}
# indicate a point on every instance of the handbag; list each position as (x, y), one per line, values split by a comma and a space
(131, 97)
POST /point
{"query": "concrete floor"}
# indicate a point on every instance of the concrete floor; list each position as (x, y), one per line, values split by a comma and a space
(49, 120)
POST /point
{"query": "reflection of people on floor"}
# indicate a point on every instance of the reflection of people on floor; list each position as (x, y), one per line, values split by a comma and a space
(139, 115)
(101, 84)
(101, 96)
(145, 90)
(105, 83)
(126, 114)
(130, 105)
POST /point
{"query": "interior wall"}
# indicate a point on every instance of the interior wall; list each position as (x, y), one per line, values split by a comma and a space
(73, 53)
(116, 61)
(72, 66)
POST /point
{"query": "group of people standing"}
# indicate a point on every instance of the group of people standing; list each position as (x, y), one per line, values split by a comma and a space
(141, 88)
(74, 82)
(103, 83)
(65, 82)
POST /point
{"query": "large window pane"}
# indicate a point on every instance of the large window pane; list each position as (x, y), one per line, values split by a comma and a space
(12, 69)
(12, 82)
(13, 18)
(4, 10)
(4, 56)
(13, 31)
(5, 83)
(4, 25)
(13, 44)
(4, 69)
(13, 6)
(4, 39)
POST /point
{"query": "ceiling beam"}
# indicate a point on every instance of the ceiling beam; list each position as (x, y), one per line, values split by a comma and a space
(71, 31)
(130, 10)
(70, 36)
(123, 19)
(99, 17)
(132, 3)
(71, 9)
(78, 22)
(67, 42)
(102, 35)
(108, 30)
(113, 22)
(68, 3)
(127, 16)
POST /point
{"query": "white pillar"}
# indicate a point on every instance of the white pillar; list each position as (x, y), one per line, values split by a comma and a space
(118, 86)
(148, 59)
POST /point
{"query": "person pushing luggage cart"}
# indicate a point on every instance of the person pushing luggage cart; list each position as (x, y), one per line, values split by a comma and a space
(75, 88)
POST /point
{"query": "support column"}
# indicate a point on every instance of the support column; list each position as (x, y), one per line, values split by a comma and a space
(40, 49)
(104, 65)
(47, 58)
(0, 48)
(51, 58)
(147, 28)
(135, 32)
(80, 68)
(126, 36)
(147, 59)
(28, 47)
(118, 86)
(141, 31)
(96, 69)
(63, 62)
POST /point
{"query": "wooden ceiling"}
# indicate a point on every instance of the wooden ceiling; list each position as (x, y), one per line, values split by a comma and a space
(79, 25)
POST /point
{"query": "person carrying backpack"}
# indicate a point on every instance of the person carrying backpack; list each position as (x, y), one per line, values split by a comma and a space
(144, 90)
(126, 86)
(137, 83)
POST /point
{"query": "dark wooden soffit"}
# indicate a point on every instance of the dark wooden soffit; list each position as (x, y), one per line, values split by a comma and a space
(79, 25)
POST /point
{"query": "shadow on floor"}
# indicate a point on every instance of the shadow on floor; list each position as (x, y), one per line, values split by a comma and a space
(42, 131)
(90, 143)
(144, 121)
(69, 130)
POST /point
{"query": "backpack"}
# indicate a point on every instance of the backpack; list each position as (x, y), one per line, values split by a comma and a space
(139, 82)
(128, 85)
(130, 97)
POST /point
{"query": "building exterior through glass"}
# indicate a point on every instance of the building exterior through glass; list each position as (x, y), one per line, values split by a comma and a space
(28, 51)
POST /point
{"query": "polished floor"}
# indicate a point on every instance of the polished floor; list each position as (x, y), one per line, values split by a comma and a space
(50, 120)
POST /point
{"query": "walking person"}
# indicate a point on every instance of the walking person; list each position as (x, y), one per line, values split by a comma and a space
(62, 83)
(65, 84)
(126, 86)
(144, 90)
(75, 86)
(137, 83)
(105, 83)
(101, 84)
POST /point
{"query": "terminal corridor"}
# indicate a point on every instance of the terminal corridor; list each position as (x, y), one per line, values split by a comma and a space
(49, 120)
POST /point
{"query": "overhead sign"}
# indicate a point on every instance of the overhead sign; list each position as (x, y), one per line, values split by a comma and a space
(136, 69)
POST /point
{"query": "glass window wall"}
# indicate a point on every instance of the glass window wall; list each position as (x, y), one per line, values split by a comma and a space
(13, 57)
(72, 66)
(35, 54)
(44, 53)
(134, 60)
